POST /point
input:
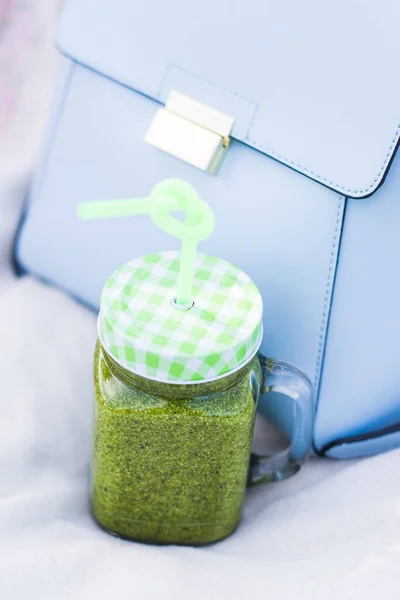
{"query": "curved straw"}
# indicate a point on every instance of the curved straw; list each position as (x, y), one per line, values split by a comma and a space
(166, 196)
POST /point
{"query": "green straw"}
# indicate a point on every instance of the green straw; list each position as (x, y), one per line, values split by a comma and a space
(169, 195)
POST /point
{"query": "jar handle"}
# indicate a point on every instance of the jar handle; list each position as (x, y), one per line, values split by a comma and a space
(285, 379)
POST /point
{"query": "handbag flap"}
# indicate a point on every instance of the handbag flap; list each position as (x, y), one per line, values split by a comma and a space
(313, 85)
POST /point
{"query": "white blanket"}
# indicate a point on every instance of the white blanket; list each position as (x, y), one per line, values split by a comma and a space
(331, 532)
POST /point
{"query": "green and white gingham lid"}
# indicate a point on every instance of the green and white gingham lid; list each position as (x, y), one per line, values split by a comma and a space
(142, 329)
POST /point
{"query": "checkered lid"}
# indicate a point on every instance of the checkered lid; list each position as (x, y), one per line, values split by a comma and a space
(145, 332)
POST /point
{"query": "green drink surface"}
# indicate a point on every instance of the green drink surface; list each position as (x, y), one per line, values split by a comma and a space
(170, 462)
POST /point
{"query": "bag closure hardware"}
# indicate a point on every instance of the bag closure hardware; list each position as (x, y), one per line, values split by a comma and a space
(191, 131)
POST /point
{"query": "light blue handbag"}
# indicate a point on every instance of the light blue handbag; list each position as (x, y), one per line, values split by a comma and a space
(314, 91)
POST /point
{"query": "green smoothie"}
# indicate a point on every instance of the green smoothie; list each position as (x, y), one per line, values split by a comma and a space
(170, 461)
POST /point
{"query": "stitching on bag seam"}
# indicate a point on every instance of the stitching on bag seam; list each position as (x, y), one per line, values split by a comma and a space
(121, 80)
(315, 175)
(216, 85)
(253, 118)
(328, 291)
(278, 155)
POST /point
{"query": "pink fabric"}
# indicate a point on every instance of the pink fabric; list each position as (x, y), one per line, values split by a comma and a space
(19, 31)
(5, 9)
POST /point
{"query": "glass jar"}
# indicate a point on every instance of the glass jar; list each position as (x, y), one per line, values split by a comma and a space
(170, 462)
(176, 395)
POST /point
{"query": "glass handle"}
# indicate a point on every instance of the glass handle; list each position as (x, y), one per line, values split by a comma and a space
(285, 379)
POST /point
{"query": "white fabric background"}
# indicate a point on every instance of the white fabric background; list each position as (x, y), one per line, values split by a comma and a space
(331, 532)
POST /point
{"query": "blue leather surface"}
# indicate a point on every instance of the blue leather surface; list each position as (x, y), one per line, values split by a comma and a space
(312, 84)
(360, 389)
(277, 225)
